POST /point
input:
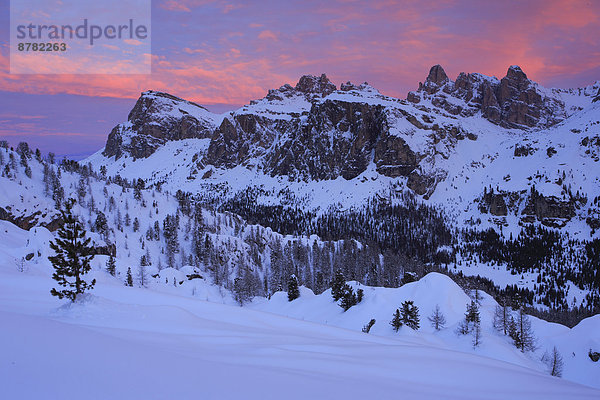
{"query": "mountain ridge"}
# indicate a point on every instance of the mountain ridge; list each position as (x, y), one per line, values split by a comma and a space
(446, 131)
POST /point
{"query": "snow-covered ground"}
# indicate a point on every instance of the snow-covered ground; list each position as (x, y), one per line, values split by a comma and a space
(173, 342)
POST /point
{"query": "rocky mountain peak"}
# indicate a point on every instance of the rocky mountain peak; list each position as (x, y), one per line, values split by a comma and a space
(437, 78)
(311, 84)
(512, 102)
(156, 118)
(515, 72)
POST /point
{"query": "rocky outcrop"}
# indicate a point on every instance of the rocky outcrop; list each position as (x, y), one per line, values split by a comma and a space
(514, 101)
(27, 222)
(104, 250)
(493, 203)
(336, 140)
(155, 119)
(549, 210)
(393, 157)
(310, 84)
(523, 150)
(244, 136)
(312, 131)
(435, 80)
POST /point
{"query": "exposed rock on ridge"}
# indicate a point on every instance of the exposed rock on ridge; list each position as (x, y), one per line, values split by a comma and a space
(514, 101)
(155, 119)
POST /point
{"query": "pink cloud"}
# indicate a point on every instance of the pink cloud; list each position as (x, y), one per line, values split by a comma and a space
(388, 43)
(173, 5)
(267, 35)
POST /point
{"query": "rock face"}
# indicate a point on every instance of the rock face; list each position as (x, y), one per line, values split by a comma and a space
(336, 138)
(493, 203)
(435, 80)
(549, 210)
(513, 102)
(27, 222)
(155, 119)
(318, 85)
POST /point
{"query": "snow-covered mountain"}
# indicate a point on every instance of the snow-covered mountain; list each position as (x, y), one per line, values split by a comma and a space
(476, 147)
(490, 155)
(200, 238)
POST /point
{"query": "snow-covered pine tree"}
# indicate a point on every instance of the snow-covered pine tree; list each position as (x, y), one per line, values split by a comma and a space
(472, 314)
(337, 285)
(437, 319)
(348, 298)
(410, 314)
(240, 291)
(293, 290)
(111, 265)
(73, 254)
(129, 281)
(170, 227)
(81, 189)
(396, 320)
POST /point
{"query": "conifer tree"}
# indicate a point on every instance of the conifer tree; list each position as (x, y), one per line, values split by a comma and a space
(349, 299)
(129, 281)
(170, 226)
(337, 285)
(472, 314)
(241, 290)
(410, 314)
(521, 332)
(502, 318)
(111, 265)
(293, 290)
(476, 333)
(437, 319)
(396, 320)
(554, 362)
(472, 319)
(73, 254)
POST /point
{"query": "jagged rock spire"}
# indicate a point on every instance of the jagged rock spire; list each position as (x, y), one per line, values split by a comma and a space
(437, 78)
(313, 84)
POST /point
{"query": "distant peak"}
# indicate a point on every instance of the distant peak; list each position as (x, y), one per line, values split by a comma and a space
(514, 71)
(435, 80)
(437, 75)
(314, 84)
(151, 95)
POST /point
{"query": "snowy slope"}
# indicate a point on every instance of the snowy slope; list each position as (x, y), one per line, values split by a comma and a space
(438, 290)
(153, 343)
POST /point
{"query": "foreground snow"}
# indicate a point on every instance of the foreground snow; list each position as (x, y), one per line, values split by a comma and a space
(157, 343)
(135, 343)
